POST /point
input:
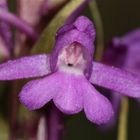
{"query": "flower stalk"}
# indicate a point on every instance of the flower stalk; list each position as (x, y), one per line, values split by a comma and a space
(55, 124)
(123, 119)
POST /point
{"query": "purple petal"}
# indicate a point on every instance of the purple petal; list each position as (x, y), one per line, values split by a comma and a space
(69, 99)
(115, 100)
(83, 24)
(115, 79)
(132, 61)
(36, 93)
(81, 31)
(30, 12)
(5, 30)
(128, 39)
(33, 66)
(97, 108)
(10, 18)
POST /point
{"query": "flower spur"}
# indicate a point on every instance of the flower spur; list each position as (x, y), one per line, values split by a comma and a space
(69, 72)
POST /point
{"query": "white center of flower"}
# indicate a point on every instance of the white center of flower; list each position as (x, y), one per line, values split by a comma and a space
(71, 59)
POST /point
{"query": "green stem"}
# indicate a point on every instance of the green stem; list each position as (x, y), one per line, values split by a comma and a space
(99, 28)
(123, 119)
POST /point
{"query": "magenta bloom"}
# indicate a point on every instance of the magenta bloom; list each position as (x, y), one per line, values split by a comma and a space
(69, 72)
(130, 43)
(123, 52)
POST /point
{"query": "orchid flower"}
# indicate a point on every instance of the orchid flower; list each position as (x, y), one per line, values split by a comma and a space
(123, 52)
(130, 43)
(68, 75)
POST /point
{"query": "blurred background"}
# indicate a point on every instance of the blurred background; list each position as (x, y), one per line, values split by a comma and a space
(118, 17)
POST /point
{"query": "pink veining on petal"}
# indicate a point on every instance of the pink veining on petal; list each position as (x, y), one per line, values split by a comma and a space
(72, 56)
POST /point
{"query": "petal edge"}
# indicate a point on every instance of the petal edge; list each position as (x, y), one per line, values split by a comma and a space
(115, 79)
(25, 67)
